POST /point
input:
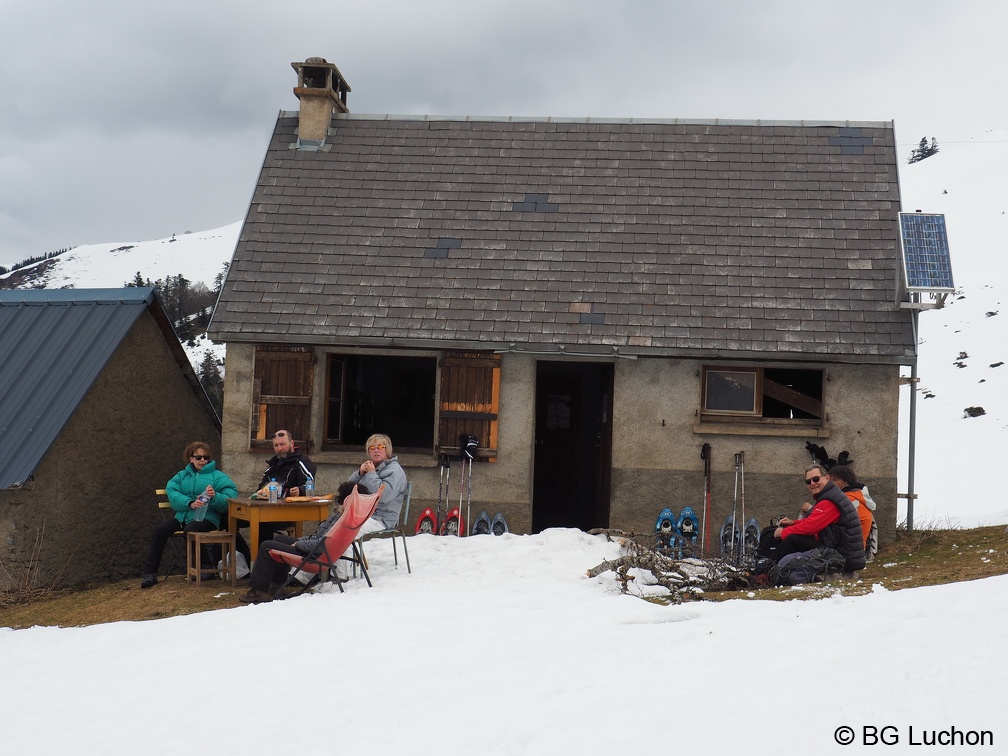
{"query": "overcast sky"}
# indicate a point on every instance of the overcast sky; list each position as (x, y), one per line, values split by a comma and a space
(127, 121)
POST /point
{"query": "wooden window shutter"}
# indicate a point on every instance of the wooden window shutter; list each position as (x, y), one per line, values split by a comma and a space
(281, 392)
(470, 399)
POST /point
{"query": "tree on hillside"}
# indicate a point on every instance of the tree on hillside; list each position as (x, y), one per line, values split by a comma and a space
(213, 382)
(137, 282)
(924, 150)
(218, 282)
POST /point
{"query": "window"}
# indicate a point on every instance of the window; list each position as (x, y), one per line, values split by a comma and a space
(470, 400)
(767, 393)
(380, 394)
(281, 392)
(365, 394)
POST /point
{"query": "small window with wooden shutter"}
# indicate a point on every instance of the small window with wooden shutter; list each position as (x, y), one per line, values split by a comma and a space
(281, 392)
(470, 399)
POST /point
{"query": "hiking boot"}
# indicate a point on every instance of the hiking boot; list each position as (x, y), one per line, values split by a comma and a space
(252, 596)
(148, 579)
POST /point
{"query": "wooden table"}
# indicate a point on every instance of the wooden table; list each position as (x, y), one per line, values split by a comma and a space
(257, 511)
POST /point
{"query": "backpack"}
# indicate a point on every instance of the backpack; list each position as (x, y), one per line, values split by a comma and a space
(809, 566)
(760, 574)
(769, 546)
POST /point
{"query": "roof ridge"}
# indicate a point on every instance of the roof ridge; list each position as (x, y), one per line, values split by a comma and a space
(803, 123)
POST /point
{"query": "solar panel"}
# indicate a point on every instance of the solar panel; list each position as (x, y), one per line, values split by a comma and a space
(926, 262)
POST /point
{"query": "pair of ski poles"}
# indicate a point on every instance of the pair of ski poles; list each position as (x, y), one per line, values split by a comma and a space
(739, 499)
(468, 445)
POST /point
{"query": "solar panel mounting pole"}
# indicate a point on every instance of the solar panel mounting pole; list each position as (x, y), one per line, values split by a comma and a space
(912, 441)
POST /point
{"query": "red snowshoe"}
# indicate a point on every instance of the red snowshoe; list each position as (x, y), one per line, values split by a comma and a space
(453, 523)
(427, 522)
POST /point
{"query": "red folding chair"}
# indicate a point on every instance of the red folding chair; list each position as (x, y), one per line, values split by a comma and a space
(357, 509)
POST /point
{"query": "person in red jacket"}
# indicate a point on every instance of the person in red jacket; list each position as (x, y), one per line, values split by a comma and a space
(804, 534)
(832, 523)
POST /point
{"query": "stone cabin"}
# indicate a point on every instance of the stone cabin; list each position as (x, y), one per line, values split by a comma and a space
(592, 299)
(97, 402)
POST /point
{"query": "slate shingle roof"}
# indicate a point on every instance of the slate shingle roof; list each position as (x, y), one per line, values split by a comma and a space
(677, 238)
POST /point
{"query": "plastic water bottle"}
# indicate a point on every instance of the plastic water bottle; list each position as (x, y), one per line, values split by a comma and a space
(274, 491)
(309, 487)
(204, 501)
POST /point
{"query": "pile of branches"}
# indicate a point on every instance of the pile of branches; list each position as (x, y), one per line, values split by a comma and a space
(686, 577)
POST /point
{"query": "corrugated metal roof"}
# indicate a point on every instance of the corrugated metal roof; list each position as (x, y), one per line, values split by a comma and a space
(53, 345)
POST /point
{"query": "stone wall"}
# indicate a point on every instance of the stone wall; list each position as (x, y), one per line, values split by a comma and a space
(656, 444)
(88, 512)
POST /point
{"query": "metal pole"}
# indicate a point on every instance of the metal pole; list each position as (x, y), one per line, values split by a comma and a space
(912, 441)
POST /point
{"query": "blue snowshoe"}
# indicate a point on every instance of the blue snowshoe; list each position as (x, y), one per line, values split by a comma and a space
(499, 525)
(482, 524)
(687, 532)
(665, 529)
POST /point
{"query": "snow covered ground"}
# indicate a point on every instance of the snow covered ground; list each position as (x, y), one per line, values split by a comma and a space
(502, 646)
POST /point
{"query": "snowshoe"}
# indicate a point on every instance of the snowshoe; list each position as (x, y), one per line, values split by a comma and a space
(499, 525)
(687, 531)
(664, 529)
(453, 523)
(427, 522)
(482, 524)
(750, 540)
(730, 538)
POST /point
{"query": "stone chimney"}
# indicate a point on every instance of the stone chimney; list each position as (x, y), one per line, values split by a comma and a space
(321, 90)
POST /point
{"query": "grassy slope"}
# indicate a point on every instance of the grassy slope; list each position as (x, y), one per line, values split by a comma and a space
(923, 558)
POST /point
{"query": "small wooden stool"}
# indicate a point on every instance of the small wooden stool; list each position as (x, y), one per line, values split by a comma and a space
(194, 554)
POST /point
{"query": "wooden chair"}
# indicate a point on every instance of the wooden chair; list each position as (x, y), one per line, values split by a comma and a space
(399, 530)
(195, 541)
(177, 539)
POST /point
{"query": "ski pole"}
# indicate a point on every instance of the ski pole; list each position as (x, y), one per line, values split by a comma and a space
(742, 497)
(705, 535)
(462, 490)
(447, 493)
(470, 449)
(734, 511)
(469, 496)
(440, 489)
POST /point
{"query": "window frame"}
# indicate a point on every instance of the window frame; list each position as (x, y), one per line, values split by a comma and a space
(330, 444)
(767, 388)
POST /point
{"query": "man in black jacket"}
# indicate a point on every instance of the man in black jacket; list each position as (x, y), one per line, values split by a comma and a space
(288, 466)
(291, 470)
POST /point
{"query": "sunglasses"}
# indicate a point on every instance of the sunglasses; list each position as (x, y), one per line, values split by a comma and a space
(377, 446)
(813, 479)
(204, 457)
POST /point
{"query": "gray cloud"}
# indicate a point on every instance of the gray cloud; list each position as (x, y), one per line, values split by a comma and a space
(126, 121)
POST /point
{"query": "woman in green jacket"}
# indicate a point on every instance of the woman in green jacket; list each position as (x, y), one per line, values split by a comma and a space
(200, 477)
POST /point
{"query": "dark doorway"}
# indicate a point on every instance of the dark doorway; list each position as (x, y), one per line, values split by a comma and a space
(573, 445)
